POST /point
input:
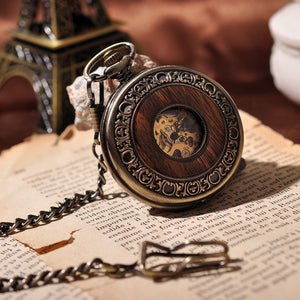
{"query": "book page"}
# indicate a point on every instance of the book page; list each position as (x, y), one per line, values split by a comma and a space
(18, 260)
(257, 214)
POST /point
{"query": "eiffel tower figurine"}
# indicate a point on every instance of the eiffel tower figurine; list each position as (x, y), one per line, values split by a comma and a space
(51, 45)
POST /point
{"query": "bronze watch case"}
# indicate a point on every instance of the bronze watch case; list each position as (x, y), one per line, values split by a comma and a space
(171, 136)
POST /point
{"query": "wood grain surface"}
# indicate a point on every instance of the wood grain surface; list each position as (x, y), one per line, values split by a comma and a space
(200, 105)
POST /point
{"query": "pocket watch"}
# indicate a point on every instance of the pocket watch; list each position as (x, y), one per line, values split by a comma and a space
(170, 136)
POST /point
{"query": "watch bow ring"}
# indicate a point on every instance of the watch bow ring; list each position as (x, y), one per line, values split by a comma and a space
(170, 135)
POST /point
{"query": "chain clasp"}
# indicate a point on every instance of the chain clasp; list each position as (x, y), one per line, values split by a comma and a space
(180, 263)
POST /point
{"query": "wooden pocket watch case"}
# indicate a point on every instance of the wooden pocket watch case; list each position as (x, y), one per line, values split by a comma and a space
(170, 136)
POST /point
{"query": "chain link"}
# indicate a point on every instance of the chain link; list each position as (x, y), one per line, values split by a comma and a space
(87, 269)
(174, 262)
(68, 206)
(55, 212)
(71, 204)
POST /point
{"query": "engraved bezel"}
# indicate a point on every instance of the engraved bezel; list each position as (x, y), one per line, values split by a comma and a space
(128, 167)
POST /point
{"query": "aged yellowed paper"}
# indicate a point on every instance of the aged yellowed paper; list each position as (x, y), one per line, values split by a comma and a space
(257, 214)
(18, 260)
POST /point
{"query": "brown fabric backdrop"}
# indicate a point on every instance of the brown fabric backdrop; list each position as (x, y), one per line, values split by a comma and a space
(228, 40)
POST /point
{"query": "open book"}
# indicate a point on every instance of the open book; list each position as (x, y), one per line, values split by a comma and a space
(257, 214)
